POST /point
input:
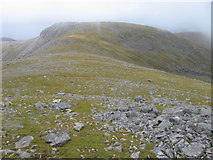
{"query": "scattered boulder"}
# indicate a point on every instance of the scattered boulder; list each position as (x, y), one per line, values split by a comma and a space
(40, 105)
(165, 124)
(117, 148)
(58, 139)
(139, 99)
(24, 154)
(6, 151)
(60, 94)
(142, 146)
(56, 100)
(60, 105)
(78, 126)
(24, 142)
(135, 154)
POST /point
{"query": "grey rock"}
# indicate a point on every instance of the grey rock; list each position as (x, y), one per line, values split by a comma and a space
(108, 148)
(135, 154)
(60, 94)
(160, 154)
(57, 140)
(23, 154)
(169, 153)
(165, 124)
(15, 126)
(205, 111)
(111, 128)
(107, 134)
(132, 114)
(60, 105)
(123, 109)
(117, 148)
(142, 146)
(148, 109)
(174, 138)
(139, 99)
(161, 135)
(116, 144)
(78, 126)
(176, 120)
(194, 150)
(24, 142)
(6, 151)
(204, 127)
(39, 91)
(115, 116)
(40, 105)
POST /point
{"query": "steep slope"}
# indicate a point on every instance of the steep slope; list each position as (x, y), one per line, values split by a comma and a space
(137, 44)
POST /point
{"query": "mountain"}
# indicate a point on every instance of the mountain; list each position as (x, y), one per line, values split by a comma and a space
(81, 90)
(6, 39)
(137, 44)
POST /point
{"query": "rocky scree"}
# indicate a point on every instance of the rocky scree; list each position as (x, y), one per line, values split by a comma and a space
(182, 131)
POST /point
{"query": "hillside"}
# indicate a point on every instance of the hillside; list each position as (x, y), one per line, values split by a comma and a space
(136, 44)
(6, 39)
(74, 93)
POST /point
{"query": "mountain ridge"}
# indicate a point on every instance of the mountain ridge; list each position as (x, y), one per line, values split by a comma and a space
(133, 43)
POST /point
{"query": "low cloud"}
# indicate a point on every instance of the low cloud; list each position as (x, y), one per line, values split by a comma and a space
(23, 19)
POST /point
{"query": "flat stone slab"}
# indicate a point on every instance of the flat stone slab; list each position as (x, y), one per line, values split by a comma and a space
(24, 142)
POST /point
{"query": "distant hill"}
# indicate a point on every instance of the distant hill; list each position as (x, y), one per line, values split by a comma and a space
(137, 44)
(6, 39)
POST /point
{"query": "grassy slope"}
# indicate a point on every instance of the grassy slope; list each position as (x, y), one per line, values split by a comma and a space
(92, 75)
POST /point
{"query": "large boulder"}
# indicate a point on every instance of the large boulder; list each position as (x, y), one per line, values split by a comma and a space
(58, 139)
(194, 150)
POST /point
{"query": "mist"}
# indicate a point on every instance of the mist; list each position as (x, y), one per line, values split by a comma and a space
(22, 19)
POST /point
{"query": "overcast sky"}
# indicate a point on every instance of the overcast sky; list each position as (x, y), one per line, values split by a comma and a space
(24, 19)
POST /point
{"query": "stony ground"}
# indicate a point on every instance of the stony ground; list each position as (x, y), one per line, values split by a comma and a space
(97, 107)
